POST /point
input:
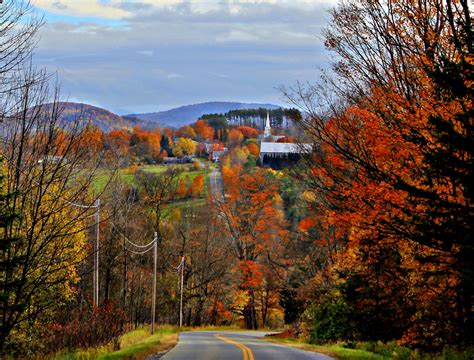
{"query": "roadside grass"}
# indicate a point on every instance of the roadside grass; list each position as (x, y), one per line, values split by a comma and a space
(335, 351)
(375, 351)
(136, 344)
(148, 344)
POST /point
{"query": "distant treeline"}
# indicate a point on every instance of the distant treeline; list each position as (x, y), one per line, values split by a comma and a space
(247, 117)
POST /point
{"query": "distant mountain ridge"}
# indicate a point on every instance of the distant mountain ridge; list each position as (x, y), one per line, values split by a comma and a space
(102, 118)
(187, 114)
(183, 115)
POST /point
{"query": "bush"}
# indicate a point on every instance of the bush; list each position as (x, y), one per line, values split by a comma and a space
(331, 321)
(391, 350)
(197, 165)
(455, 354)
(86, 327)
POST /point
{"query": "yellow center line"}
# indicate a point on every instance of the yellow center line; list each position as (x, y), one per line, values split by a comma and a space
(246, 352)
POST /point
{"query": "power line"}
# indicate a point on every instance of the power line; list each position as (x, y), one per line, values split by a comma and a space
(155, 255)
(137, 252)
(131, 242)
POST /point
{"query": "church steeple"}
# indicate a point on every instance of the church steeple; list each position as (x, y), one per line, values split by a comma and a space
(268, 128)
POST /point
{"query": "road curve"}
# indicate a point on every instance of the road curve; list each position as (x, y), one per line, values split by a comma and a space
(234, 345)
(216, 183)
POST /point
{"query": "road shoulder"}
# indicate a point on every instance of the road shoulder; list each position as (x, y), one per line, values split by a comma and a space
(334, 351)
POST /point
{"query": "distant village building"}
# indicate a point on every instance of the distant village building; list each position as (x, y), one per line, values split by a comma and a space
(277, 154)
(215, 156)
(267, 132)
(50, 159)
(168, 160)
(272, 150)
(174, 160)
(268, 129)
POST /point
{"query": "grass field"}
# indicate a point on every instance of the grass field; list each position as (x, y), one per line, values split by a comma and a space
(125, 175)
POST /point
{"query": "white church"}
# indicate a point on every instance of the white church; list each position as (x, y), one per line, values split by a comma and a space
(271, 149)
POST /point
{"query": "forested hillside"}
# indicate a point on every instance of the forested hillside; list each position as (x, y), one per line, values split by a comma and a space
(187, 114)
(102, 118)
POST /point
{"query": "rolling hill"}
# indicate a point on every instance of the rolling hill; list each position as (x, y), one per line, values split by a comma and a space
(102, 118)
(183, 115)
(187, 114)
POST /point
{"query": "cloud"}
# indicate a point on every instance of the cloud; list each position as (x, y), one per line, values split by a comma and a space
(124, 9)
(157, 54)
(237, 36)
(83, 8)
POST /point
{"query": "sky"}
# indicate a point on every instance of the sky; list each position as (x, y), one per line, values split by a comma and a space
(134, 56)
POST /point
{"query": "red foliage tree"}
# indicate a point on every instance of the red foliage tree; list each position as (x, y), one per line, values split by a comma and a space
(248, 132)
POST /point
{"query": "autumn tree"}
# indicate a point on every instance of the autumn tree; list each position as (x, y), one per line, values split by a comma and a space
(118, 141)
(253, 149)
(197, 186)
(184, 147)
(157, 192)
(186, 131)
(46, 174)
(42, 235)
(203, 131)
(393, 165)
(145, 144)
(198, 236)
(92, 139)
(253, 221)
(248, 132)
(235, 138)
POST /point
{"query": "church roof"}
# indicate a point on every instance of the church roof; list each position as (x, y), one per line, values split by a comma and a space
(288, 148)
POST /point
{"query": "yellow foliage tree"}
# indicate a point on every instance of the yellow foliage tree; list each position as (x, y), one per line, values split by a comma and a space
(184, 147)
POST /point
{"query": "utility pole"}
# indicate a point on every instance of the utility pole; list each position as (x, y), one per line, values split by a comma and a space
(183, 260)
(96, 255)
(143, 249)
(153, 300)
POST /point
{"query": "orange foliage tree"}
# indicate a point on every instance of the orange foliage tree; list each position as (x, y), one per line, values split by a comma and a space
(118, 140)
(392, 169)
(197, 186)
(256, 229)
(203, 131)
(235, 138)
(253, 149)
(146, 143)
(93, 139)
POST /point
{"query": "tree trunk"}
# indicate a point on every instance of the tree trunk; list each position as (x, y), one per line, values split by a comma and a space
(250, 314)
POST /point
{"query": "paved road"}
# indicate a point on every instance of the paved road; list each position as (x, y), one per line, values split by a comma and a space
(234, 345)
(216, 182)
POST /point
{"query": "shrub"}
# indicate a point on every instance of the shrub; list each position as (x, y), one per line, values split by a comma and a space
(331, 321)
(86, 327)
(391, 350)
